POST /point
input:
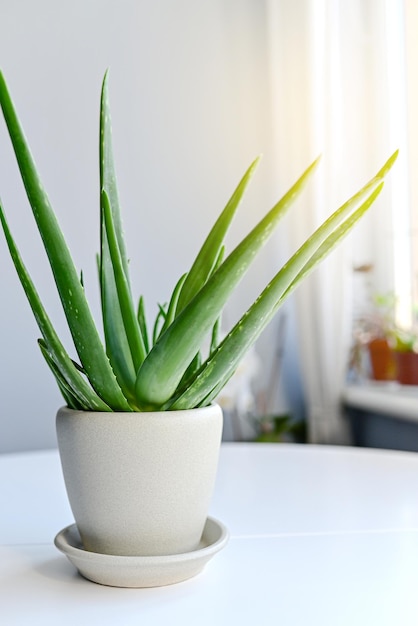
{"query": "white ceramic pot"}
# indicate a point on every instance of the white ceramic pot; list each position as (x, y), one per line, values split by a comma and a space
(140, 484)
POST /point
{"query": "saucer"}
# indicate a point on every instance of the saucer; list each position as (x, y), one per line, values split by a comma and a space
(142, 571)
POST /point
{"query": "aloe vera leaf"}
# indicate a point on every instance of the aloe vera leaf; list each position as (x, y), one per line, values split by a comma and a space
(79, 318)
(197, 360)
(206, 258)
(74, 379)
(159, 321)
(142, 321)
(217, 325)
(133, 334)
(382, 173)
(171, 311)
(164, 366)
(330, 243)
(69, 397)
(107, 170)
(214, 341)
(218, 369)
(117, 345)
(219, 259)
(191, 371)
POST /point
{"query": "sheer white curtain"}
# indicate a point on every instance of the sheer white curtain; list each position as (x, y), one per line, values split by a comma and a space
(331, 77)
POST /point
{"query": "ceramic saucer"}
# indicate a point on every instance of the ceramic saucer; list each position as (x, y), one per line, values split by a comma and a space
(142, 571)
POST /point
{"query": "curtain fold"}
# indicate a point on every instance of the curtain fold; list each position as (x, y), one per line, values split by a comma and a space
(330, 90)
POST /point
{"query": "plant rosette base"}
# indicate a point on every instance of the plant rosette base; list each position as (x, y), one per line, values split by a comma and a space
(140, 484)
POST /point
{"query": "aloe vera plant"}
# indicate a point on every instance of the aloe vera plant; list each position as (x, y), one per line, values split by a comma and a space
(136, 367)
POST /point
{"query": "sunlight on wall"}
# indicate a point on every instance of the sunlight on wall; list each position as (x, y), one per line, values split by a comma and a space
(411, 26)
(401, 221)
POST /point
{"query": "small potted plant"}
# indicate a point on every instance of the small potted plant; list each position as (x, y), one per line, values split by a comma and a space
(393, 349)
(140, 431)
(382, 359)
(405, 350)
(371, 353)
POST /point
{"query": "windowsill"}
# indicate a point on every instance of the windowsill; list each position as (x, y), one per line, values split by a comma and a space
(398, 401)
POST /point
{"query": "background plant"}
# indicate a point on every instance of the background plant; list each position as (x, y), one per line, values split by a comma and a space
(143, 368)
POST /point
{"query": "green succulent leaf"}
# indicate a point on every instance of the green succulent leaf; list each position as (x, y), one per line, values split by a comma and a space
(191, 371)
(172, 307)
(80, 322)
(159, 322)
(79, 387)
(208, 254)
(165, 371)
(219, 368)
(108, 180)
(217, 325)
(142, 321)
(71, 399)
(166, 363)
(216, 372)
(117, 344)
(129, 318)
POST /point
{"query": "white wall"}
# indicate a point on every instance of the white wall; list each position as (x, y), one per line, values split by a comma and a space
(191, 108)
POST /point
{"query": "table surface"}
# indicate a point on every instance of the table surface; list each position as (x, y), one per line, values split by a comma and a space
(319, 536)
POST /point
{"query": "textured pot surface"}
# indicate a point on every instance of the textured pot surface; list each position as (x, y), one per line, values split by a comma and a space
(140, 484)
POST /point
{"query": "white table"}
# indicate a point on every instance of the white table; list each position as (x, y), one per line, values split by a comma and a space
(319, 536)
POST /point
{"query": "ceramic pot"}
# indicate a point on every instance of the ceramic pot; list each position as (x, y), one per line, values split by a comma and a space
(382, 360)
(140, 484)
(407, 367)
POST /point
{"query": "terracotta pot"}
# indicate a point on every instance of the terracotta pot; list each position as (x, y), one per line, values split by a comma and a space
(140, 484)
(407, 367)
(382, 360)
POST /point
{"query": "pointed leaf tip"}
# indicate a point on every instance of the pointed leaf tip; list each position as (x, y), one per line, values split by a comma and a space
(388, 165)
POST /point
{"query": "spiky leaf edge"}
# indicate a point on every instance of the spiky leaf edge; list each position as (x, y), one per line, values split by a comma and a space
(118, 347)
(80, 388)
(218, 369)
(166, 363)
(80, 321)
